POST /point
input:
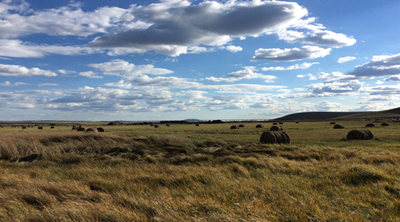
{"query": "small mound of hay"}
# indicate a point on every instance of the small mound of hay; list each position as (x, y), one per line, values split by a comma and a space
(234, 127)
(100, 129)
(274, 137)
(360, 135)
(338, 126)
(259, 126)
(370, 125)
(332, 123)
(80, 129)
(276, 128)
(384, 124)
(92, 130)
(241, 125)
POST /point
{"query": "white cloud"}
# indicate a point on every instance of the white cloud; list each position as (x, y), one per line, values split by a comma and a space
(334, 76)
(232, 48)
(90, 74)
(327, 106)
(305, 65)
(335, 88)
(19, 71)
(317, 37)
(8, 83)
(48, 84)
(378, 66)
(247, 73)
(276, 54)
(346, 59)
(123, 68)
(64, 72)
(395, 78)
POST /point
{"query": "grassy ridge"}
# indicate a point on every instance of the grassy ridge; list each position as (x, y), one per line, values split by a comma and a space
(205, 173)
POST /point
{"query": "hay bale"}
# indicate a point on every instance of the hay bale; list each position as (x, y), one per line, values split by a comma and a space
(297, 122)
(92, 130)
(241, 125)
(80, 129)
(100, 129)
(259, 126)
(280, 123)
(274, 123)
(384, 124)
(338, 126)
(234, 127)
(167, 125)
(52, 127)
(24, 127)
(360, 135)
(156, 126)
(274, 137)
(332, 123)
(276, 128)
(370, 125)
(40, 127)
(197, 124)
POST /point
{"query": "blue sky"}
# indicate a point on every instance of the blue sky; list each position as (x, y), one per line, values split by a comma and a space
(177, 59)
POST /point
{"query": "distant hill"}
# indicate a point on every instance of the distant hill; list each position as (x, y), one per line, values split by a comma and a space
(392, 113)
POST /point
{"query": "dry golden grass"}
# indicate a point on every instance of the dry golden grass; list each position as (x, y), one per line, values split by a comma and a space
(191, 175)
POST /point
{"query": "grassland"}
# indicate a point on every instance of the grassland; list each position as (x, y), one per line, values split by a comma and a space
(199, 173)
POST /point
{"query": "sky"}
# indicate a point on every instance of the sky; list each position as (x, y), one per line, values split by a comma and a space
(140, 60)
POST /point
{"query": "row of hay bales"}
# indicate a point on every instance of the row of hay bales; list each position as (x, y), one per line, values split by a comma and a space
(282, 137)
(89, 130)
(340, 126)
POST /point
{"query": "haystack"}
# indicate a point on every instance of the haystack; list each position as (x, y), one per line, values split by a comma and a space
(280, 123)
(241, 125)
(274, 123)
(40, 127)
(360, 135)
(297, 122)
(24, 127)
(370, 125)
(156, 126)
(167, 125)
(274, 137)
(259, 126)
(197, 124)
(80, 129)
(338, 126)
(100, 129)
(234, 127)
(276, 128)
(52, 127)
(332, 123)
(92, 130)
(384, 124)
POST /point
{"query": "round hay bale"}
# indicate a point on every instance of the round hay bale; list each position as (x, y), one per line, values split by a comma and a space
(259, 126)
(197, 124)
(167, 125)
(80, 129)
(40, 127)
(274, 137)
(234, 127)
(52, 127)
(24, 127)
(360, 135)
(370, 125)
(384, 124)
(241, 125)
(332, 123)
(297, 122)
(276, 128)
(274, 124)
(338, 126)
(280, 123)
(156, 126)
(100, 129)
(92, 130)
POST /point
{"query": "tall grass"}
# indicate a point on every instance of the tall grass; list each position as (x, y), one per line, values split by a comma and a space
(195, 175)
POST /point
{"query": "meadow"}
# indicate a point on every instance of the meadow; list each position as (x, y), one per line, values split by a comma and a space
(200, 173)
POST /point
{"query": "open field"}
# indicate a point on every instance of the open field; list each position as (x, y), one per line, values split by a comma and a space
(200, 173)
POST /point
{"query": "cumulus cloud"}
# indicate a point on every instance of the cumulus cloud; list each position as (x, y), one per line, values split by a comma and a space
(8, 83)
(334, 76)
(346, 59)
(90, 74)
(263, 103)
(395, 78)
(48, 84)
(19, 71)
(335, 88)
(317, 36)
(246, 73)
(20, 49)
(276, 54)
(232, 48)
(326, 106)
(379, 66)
(305, 65)
(121, 67)
(382, 90)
